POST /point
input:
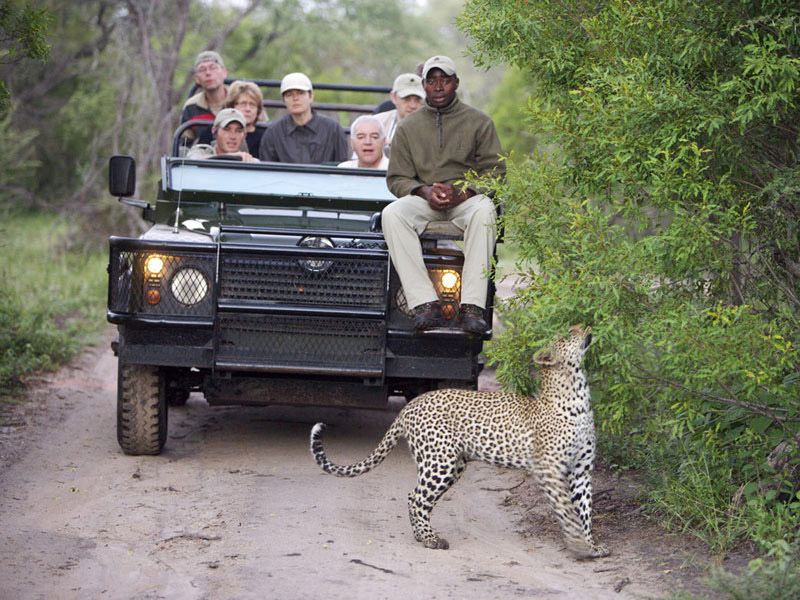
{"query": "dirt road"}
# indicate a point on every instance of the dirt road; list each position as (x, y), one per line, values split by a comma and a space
(235, 507)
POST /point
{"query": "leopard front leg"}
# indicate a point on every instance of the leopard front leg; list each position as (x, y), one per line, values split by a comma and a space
(580, 486)
(575, 521)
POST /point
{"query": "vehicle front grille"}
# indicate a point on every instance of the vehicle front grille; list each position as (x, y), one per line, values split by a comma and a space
(272, 279)
(297, 343)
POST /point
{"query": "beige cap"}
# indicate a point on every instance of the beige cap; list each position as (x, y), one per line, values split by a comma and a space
(208, 56)
(228, 115)
(445, 63)
(295, 81)
(408, 84)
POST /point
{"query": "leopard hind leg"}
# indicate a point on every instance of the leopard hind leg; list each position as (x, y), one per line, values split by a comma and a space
(434, 478)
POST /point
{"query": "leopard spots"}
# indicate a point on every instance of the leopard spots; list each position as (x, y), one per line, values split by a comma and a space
(551, 436)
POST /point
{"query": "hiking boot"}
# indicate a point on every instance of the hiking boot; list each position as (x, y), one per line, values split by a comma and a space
(428, 316)
(470, 319)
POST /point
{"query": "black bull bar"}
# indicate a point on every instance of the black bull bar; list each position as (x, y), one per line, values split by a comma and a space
(269, 305)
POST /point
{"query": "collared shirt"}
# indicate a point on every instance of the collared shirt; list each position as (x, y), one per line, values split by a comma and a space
(353, 164)
(389, 121)
(320, 140)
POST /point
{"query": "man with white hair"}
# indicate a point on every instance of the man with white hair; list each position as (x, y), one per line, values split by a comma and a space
(229, 131)
(303, 135)
(407, 95)
(367, 137)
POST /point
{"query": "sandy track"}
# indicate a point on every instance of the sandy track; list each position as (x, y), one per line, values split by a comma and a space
(235, 507)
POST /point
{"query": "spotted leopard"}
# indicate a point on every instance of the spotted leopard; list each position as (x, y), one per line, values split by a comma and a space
(551, 436)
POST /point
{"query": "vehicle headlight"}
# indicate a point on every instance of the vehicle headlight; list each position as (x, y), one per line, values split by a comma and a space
(449, 280)
(316, 242)
(446, 282)
(154, 264)
(189, 286)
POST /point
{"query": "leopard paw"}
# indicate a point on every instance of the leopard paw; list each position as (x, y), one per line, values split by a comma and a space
(436, 543)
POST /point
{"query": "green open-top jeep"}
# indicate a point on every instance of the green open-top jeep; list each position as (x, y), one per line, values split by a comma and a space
(267, 283)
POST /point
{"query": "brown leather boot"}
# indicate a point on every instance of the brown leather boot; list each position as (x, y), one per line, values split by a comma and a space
(428, 316)
(470, 319)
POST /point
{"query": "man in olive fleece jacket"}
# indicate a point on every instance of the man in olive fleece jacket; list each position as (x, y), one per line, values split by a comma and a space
(433, 148)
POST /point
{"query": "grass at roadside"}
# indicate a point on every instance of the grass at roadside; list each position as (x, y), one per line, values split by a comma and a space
(52, 297)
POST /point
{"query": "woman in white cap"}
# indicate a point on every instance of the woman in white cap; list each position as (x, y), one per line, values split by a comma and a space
(303, 135)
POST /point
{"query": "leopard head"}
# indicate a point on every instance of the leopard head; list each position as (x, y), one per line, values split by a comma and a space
(566, 350)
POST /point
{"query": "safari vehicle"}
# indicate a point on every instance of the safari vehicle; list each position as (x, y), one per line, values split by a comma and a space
(267, 283)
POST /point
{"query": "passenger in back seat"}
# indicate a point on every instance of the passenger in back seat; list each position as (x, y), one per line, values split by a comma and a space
(303, 135)
(407, 95)
(209, 75)
(246, 97)
(229, 132)
(367, 137)
(432, 151)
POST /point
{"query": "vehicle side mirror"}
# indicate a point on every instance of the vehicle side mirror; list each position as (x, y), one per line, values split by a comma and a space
(122, 176)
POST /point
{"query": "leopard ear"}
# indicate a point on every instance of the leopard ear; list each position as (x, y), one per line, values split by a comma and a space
(545, 358)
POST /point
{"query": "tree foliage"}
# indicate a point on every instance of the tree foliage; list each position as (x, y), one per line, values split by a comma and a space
(22, 36)
(667, 218)
(121, 69)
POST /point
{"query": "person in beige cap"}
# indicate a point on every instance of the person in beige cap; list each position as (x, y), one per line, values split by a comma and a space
(209, 75)
(303, 135)
(407, 95)
(366, 137)
(229, 132)
(432, 151)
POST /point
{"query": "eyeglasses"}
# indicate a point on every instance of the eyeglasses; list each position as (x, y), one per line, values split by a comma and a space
(209, 68)
(245, 104)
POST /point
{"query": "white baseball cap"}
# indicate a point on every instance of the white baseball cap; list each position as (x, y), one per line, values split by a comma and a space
(295, 81)
(228, 115)
(408, 84)
(445, 63)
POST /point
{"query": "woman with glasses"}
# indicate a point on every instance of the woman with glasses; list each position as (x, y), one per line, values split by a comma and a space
(246, 97)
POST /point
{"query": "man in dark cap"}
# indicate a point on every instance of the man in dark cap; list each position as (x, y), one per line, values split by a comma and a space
(433, 149)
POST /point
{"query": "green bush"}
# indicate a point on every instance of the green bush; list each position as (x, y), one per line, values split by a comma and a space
(52, 300)
(665, 217)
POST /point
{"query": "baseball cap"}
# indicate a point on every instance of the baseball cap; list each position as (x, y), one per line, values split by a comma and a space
(209, 56)
(228, 115)
(295, 81)
(445, 63)
(408, 84)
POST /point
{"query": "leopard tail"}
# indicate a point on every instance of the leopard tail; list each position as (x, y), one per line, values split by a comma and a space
(386, 445)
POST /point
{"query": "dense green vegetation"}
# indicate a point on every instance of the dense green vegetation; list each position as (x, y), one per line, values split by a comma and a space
(667, 218)
(52, 302)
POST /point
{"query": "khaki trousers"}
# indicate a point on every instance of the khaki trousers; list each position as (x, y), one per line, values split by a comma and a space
(406, 218)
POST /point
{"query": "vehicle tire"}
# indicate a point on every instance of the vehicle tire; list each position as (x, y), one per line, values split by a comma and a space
(141, 409)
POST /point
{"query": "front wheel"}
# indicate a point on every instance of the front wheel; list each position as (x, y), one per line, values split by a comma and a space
(141, 409)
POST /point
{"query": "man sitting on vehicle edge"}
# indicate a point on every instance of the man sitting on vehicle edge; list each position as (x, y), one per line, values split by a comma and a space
(229, 132)
(302, 136)
(432, 150)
